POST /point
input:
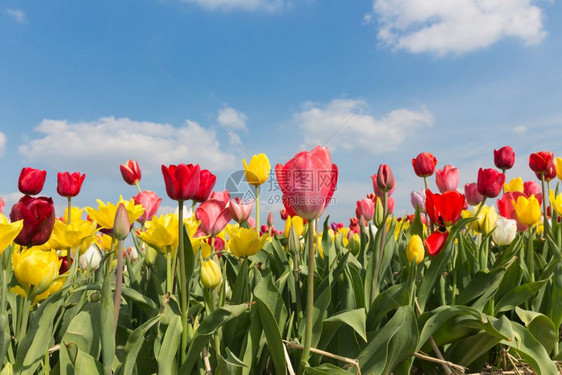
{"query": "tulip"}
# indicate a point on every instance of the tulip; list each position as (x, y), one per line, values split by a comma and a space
(77, 235)
(505, 231)
(540, 161)
(447, 178)
(528, 210)
(417, 198)
(486, 220)
(504, 158)
(104, 215)
(336, 226)
(38, 216)
(31, 181)
(354, 225)
(90, 259)
(295, 222)
(35, 267)
(132, 253)
(270, 220)
(556, 202)
(121, 224)
(283, 214)
(354, 243)
(206, 183)
(223, 196)
(131, 172)
(490, 182)
(424, 164)
(161, 232)
(246, 242)
(515, 184)
(444, 209)
(2, 205)
(214, 214)
(473, 197)
(532, 188)
(558, 170)
(365, 210)
(549, 174)
(506, 210)
(258, 170)
(240, 210)
(415, 249)
(69, 184)
(308, 182)
(182, 181)
(385, 178)
(150, 201)
(8, 231)
(211, 275)
(435, 242)
(377, 190)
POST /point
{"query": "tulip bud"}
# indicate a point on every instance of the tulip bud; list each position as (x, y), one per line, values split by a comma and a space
(31, 181)
(131, 172)
(90, 259)
(504, 158)
(270, 219)
(150, 254)
(379, 214)
(473, 197)
(385, 178)
(69, 184)
(293, 243)
(424, 164)
(447, 178)
(121, 225)
(38, 216)
(505, 231)
(365, 210)
(354, 244)
(415, 249)
(418, 199)
(284, 214)
(211, 275)
(490, 182)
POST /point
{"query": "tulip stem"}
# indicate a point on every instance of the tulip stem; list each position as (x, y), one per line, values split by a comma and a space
(425, 182)
(118, 283)
(296, 281)
(258, 209)
(375, 285)
(169, 270)
(544, 197)
(309, 299)
(183, 283)
(138, 186)
(531, 252)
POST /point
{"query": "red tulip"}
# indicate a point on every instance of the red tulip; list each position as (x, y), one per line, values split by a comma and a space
(131, 172)
(308, 182)
(505, 208)
(214, 214)
(385, 178)
(377, 190)
(444, 209)
(365, 210)
(240, 210)
(354, 225)
(549, 173)
(150, 201)
(284, 214)
(69, 184)
(447, 178)
(336, 226)
(504, 158)
(38, 216)
(473, 197)
(435, 242)
(424, 164)
(490, 182)
(540, 161)
(31, 181)
(532, 188)
(206, 183)
(182, 181)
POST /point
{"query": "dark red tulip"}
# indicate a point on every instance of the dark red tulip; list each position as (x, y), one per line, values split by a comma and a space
(131, 172)
(69, 184)
(473, 197)
(150, 201)
(182, 181)
(435, 242)
(354, 225)
(550, 172)
(504, 158)
(206, 183)
(444, 209)
(424, 164)
(31, 181)
(283, 214)
(377, 190)
(385, 178)
(540, 161)
(490, 182)
(38, 216)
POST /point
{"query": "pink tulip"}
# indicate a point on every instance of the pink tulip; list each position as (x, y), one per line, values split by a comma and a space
(150, 201)
(223, 196)
(308, 182)
(214, 214)
(473, 197)
(418, 199)
(365, 210)
(447, 178)
(378, 191)
(240, 210)
(532, 188)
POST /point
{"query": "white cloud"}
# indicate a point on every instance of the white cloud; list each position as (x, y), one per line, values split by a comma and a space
(367, 18)
(362, 131)
(247, 5)
(2, 143)
(108, 142)
(17, 14)
(231, 120)
(520, 129)
(456, 26)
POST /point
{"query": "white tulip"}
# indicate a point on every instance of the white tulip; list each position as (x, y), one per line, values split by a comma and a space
(505, 231)
(91, 258)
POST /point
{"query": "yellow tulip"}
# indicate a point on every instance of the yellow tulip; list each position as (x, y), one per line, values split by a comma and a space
(161, 232)
(486, 220)
(53, 288)
(105, 213)
(415, 249)
(528, 210)
(8, 231)
(78, 234)
(103, 241)
(246, 242)
(75, 214)
(515, 184)
(295, 222)
(354, 244)
(258, 170)
(556, 202)
(211, 275)
(35, 267)
(559, 168)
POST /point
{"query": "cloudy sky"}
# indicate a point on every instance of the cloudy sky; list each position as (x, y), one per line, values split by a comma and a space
(86, 86)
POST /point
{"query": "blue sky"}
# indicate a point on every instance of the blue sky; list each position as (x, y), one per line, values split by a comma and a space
(85, 86)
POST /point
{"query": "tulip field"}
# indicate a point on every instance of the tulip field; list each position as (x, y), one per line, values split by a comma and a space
(470, 281)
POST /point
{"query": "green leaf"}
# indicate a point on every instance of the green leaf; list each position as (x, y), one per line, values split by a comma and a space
(87, 365)
(519, 295)
(107, 325)
(466, 351)
(484, 285)
(205, 331)
(356, 319)
(143, 301)
(169, 347)
(403, 343)
(417, 225)
(326, 369)
(134, 345)
(531, 351)
(4, 336)
(540, 326)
